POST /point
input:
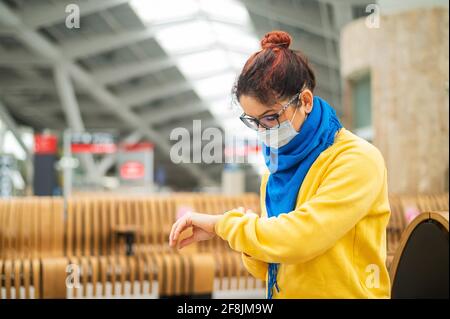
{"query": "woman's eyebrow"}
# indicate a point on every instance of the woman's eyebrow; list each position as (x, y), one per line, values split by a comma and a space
(270, 110)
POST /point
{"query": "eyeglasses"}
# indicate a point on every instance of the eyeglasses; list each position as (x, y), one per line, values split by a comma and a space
(268, 122)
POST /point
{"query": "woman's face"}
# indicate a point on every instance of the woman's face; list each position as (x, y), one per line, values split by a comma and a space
(254, 108)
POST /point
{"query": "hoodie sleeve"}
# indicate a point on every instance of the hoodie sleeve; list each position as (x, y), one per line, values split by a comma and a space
(348, 190)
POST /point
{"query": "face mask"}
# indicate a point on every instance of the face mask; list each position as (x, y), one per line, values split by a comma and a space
(279, 137)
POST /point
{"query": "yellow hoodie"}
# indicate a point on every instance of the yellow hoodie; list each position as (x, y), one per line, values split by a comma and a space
(333, 245)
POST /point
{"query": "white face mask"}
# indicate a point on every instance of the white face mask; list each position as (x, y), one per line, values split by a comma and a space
(280, 136)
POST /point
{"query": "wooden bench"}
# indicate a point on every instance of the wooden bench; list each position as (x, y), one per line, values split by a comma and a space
(40, 240)
(20, 278)
(84, 237)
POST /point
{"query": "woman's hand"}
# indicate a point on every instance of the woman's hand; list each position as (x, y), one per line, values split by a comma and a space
(202, 228)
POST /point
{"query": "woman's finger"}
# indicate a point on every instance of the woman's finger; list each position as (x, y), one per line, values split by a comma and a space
(184, 223)
(172, 232)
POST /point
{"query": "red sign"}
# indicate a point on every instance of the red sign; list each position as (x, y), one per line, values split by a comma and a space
(132, 170)
(45, 144)
(137, 147)
(94, 148)
(93, 143)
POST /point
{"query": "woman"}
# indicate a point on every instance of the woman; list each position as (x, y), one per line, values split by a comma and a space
(322, 232)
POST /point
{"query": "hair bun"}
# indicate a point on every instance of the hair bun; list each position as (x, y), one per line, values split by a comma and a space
(276, 39)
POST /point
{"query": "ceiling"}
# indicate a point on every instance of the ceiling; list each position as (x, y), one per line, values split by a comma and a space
(143, 68)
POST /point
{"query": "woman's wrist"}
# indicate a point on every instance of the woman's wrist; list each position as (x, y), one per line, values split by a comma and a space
(216, 221)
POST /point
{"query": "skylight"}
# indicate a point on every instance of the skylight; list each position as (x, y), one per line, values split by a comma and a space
(228, 9)
(221, 27)
(204, 62)
(154, 11)
(215, 85)
(184, 36)
(224, 29)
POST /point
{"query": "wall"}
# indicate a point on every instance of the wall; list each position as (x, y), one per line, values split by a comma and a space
(407, 57)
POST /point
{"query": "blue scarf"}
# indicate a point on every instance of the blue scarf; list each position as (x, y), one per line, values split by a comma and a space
(289, 164)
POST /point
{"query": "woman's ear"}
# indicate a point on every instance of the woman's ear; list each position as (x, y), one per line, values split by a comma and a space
(306, 99)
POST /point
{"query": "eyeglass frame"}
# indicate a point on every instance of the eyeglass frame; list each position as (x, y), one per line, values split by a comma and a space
(244, 116)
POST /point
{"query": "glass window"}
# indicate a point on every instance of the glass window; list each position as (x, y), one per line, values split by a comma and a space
(362, 107)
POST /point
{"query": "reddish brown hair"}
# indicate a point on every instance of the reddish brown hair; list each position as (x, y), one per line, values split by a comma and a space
(275, 72)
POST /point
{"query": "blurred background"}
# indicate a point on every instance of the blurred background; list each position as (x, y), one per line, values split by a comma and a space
(90, 91)
(129, 72)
